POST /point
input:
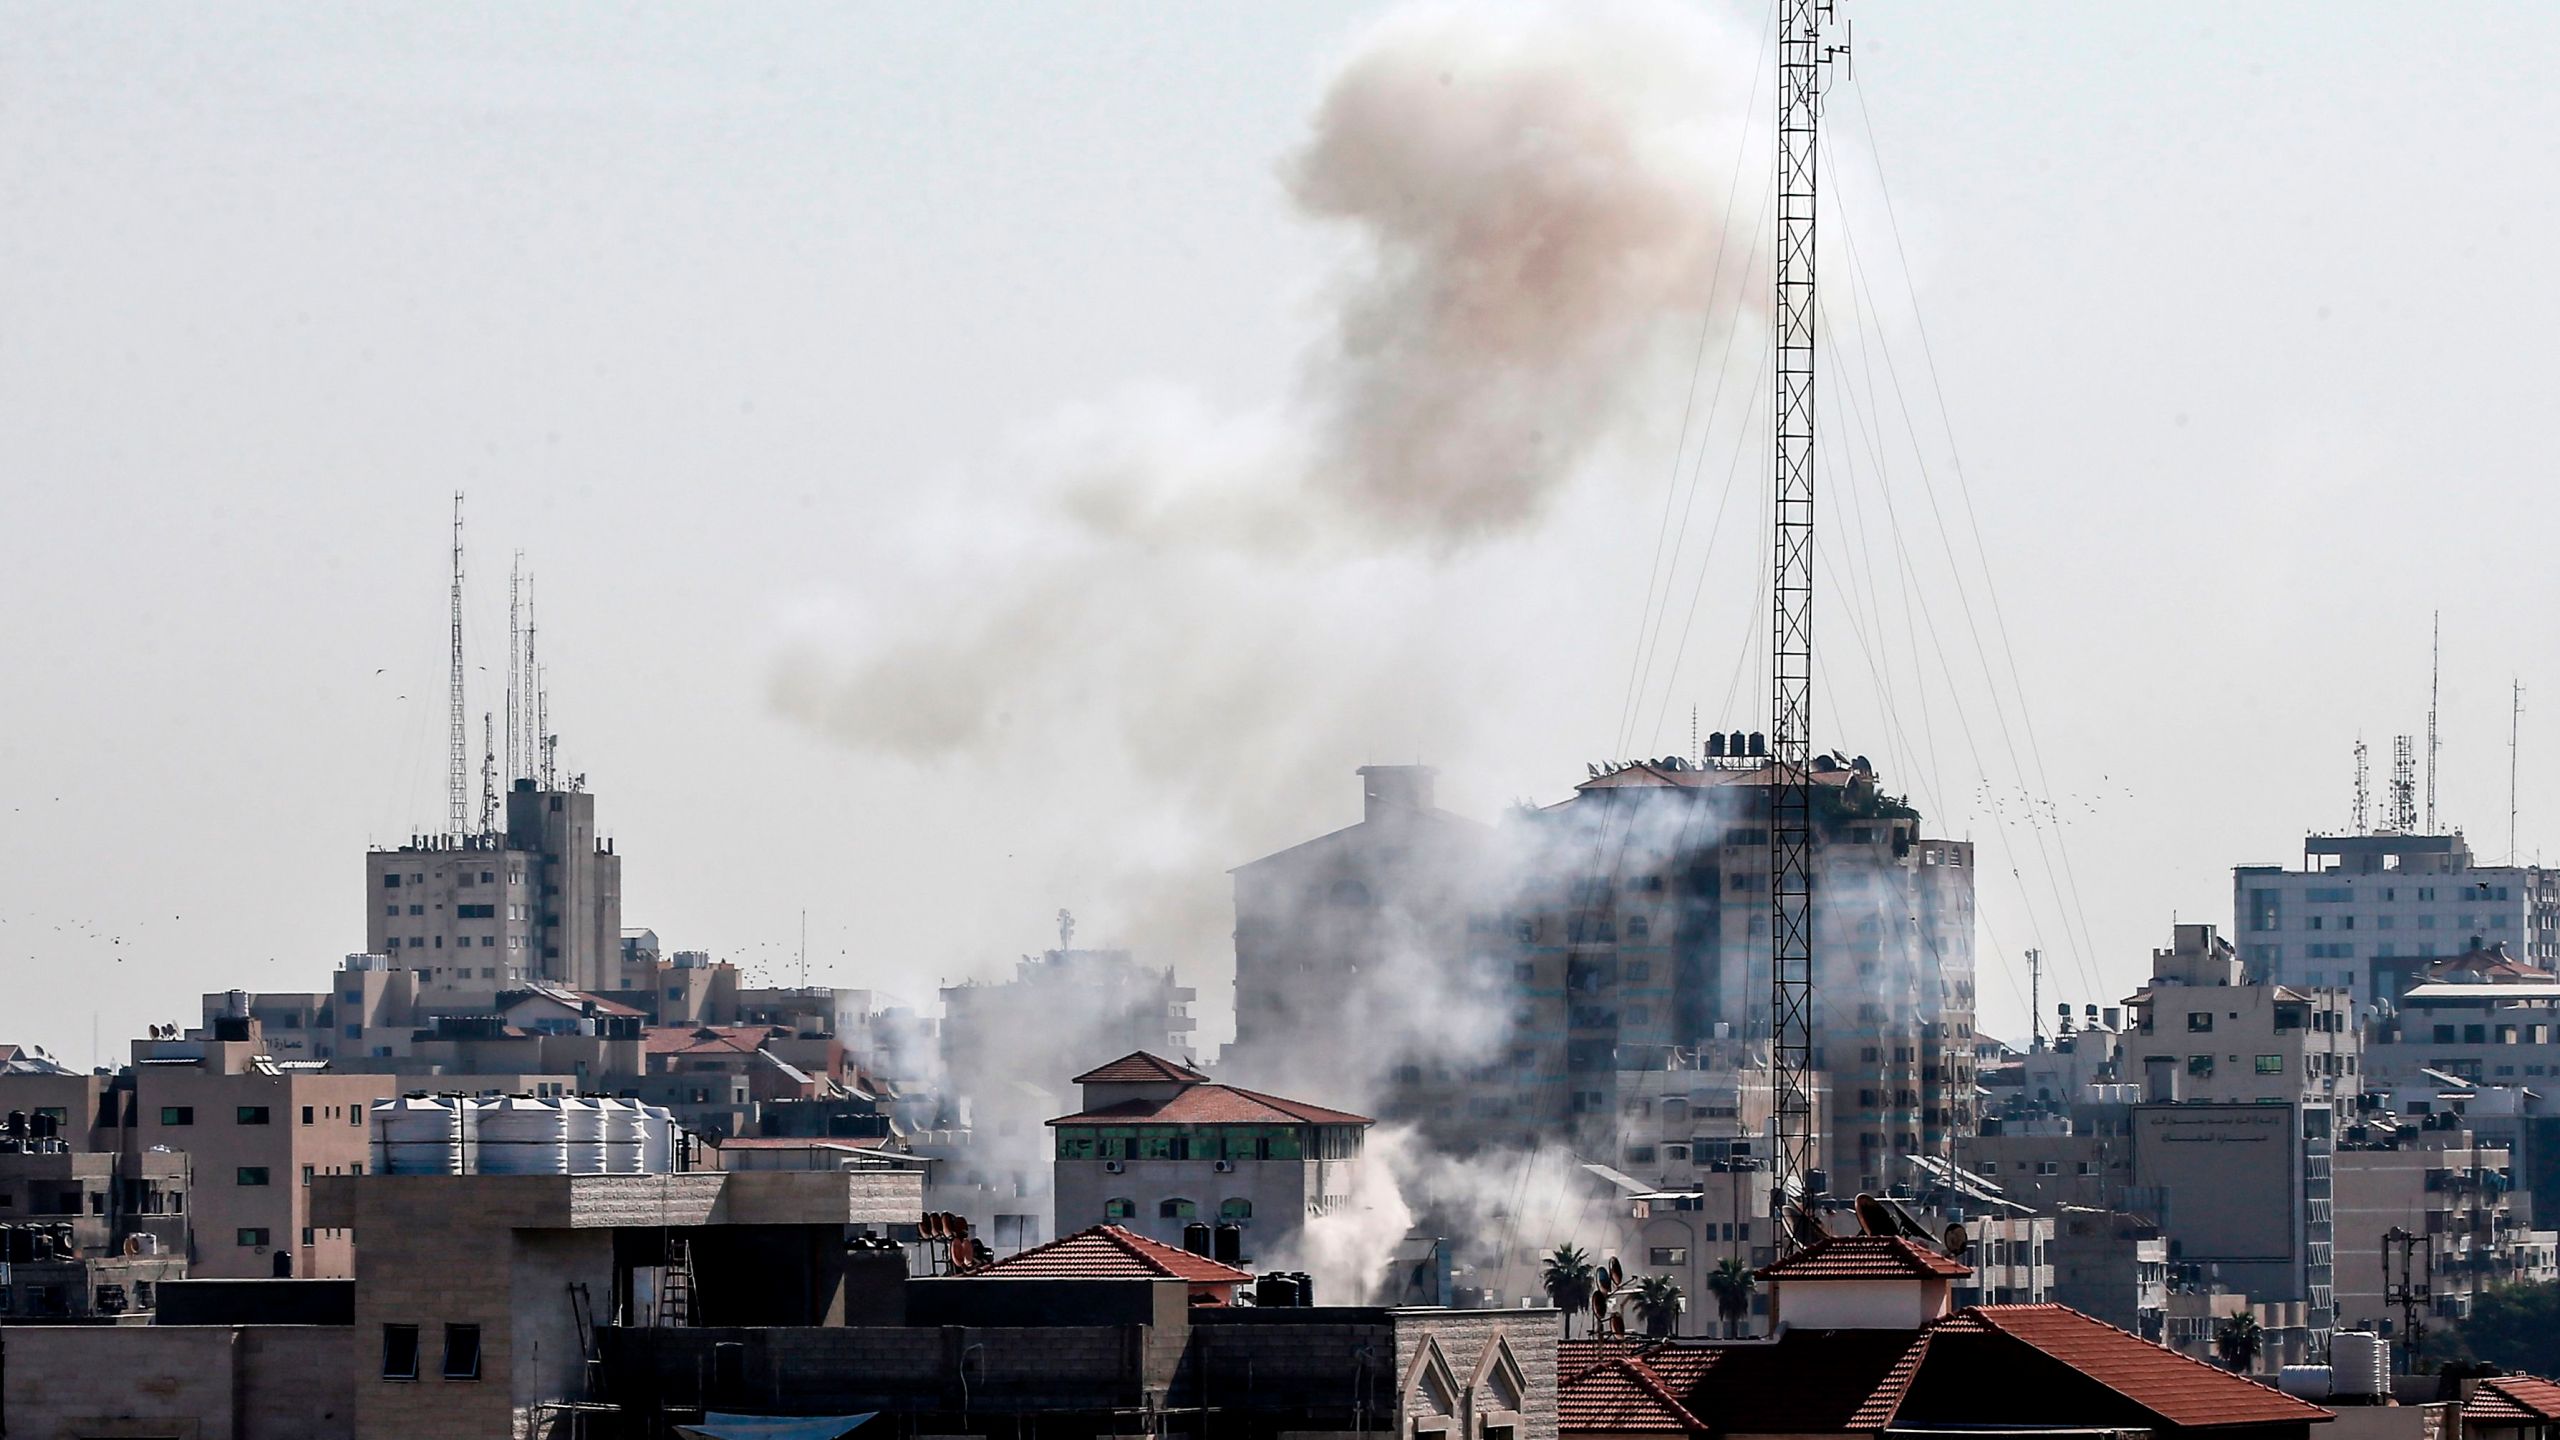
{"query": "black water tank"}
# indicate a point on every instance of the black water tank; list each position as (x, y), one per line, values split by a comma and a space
(1275, 1291)
(1195, 1237)
(1306, 1287)
(1227, 1246)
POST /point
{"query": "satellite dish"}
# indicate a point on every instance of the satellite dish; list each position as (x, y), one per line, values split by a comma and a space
(1957, 1242)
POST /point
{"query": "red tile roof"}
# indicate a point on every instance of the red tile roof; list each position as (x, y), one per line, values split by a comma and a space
(2512, 1400)
(1140, 1068)
(1621, 1396)
(1108, 1252)
(1209, 1103)
(2179, 1389)
(793, 1142)
(1865, 1257)
(681, 1039)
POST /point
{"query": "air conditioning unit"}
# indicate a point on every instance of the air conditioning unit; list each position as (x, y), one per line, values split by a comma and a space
(1224, 1167)
(1114, 1167)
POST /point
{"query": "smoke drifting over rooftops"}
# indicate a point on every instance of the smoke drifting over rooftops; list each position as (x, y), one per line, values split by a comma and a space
(1217, 614)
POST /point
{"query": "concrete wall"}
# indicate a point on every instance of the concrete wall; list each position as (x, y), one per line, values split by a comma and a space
(1281, 1193)
(336, 1141)
(210, 1382)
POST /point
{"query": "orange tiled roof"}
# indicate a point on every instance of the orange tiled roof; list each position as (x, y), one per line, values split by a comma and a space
(1209, 1103)
(1865, 1257)
(680, 1039)
(2512, 1399)
(2178, 1388)
(1108, 1252)
(1140, 1068)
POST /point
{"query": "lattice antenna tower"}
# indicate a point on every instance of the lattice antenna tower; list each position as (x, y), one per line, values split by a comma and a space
(2364, 787)
(515, 659)
(2435, 683)
(530, 751)
(488, 773)
(457, 780)
(2404, 785)
(1801, 58)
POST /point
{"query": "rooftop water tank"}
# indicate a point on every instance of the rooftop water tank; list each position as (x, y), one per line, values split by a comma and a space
(520, 1135)
(2304, 1382)
(657, 1140)
(625, 1137)
(421, 1135)
(2359, 1366)
(585, 1120)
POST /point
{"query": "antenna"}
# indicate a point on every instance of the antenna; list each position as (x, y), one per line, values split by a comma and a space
(2435, 680)
(2035, 999)
(488, 773)
(1800, 61)
(531, 750)
(2364, 793)
(457, 780)
(804, 947)
(2515, 726)
(2404, 785)
(515, 656)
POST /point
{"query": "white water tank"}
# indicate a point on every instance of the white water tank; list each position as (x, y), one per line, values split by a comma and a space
(2359, 1365)
(625, 1143)
(2304, 1382)
(658, 1145)
(421, 1135)
(585, 1120)
(520, 1135)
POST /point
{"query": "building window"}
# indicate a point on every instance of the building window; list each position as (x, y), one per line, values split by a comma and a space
(2270, 1064)
(1117, 1209)
(2199, 1020)
(1177, 1210)
(1670, 1255)
(390, 882)
(307, 1172)
(1235, 1209)
(306, 1114)
(252, 1115)
(399, 1352)
(252, 1175)
(177, 1114)
(462, 1352)
(2200, 1066)
(252, 1238)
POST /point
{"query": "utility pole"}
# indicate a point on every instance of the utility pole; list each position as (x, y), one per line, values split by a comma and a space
(1800, 70)
(515, 660)
(2411, 1293)
(457, 780)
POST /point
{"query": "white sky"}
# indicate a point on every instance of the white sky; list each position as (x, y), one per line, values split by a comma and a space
(2232, 309)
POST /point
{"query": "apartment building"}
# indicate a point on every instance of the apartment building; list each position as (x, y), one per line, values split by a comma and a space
(1160, 1149)
(2479, 1017)
(2456, 1196)
(2112, 1266)
(474, 915)
(1582, 945)
(257, 1132)
(2205, 1030)
(2365, 913)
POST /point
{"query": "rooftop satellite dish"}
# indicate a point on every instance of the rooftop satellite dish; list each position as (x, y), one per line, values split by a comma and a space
(1958, 1242)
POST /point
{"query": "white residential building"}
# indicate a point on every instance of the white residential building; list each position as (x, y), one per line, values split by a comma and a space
(2366, 912)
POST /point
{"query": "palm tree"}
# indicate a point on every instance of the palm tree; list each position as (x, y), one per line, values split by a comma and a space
(1732, 1282)
(2237, 1340)
(1569, 1278)
(1658, 1302)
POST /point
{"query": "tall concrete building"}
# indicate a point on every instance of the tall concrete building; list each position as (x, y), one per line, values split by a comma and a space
(2365, 913)
(1584, 946)
(474, 915)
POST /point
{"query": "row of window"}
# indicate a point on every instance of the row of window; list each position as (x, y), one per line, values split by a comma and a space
(1123, 1208)
(515, 876)
(259, 1114)
(461, 1352)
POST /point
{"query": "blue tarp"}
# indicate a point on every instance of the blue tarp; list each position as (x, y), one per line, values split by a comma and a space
(716, 1426)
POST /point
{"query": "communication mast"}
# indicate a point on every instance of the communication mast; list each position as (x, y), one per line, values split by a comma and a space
(488, 773)
(457, 780)
(2515, 725)
(2435, 682)
(2364, 792)
(515, 658)
(2404, 785)
(1800, 69)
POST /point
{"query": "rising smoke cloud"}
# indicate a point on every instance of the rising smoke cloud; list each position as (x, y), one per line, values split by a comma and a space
(1221, 612)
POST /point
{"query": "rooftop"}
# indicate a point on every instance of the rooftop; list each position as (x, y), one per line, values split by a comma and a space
(1140, 1068)
(2512, 1400)
(1108, 1252)
(1866, 1257)
(1209, 1103)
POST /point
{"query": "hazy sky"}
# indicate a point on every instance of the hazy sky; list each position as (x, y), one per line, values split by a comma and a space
(763, 332)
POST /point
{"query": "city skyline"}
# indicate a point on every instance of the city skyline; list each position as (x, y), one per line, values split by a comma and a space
(707, 330)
